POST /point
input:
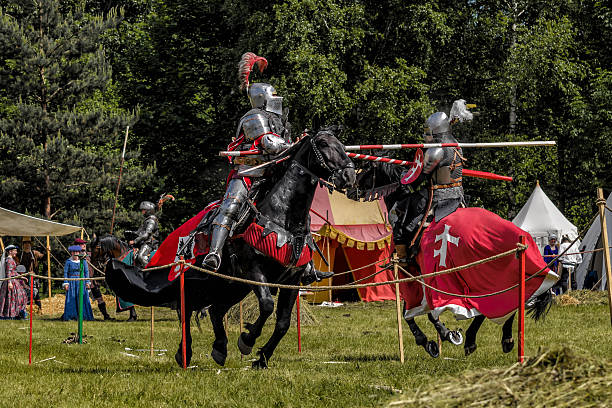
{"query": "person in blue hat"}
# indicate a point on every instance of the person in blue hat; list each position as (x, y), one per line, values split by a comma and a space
(13, 295)
(72, 270)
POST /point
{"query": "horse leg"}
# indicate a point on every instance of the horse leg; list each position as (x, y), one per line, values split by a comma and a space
(284, 307)
(453, 336)
(507, 341)
(470, 335)
(219, 349)
(179, 354)
(421, 339)
(246, 341)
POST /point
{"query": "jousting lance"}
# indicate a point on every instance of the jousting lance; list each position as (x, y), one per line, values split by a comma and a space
(466, 172)
(462, 145)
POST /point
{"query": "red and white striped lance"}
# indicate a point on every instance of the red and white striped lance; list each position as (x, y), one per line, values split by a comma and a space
(466, 172)
(462, 145)
(379, 159)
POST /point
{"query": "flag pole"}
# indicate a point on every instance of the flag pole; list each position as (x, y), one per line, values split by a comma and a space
(127, 129)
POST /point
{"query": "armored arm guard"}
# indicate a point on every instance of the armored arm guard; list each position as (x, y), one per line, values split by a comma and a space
(146, 232)
(433, 157)
(257, 126)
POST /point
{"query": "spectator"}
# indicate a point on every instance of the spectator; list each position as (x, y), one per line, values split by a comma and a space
(550, 252)
(13, 296)
(569, 261)
(29, 259)
(95, 286)
(72, 270)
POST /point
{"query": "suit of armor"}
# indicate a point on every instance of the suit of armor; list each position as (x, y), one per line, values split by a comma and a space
(146, 236)
(259, 129)
(440, 180)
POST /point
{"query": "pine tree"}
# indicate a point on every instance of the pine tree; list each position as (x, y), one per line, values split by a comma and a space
(61, 129)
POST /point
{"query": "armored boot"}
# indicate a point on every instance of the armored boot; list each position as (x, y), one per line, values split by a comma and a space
(311, 274)
(212, 260)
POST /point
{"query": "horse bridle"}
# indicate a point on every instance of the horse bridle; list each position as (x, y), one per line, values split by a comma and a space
(321, 161)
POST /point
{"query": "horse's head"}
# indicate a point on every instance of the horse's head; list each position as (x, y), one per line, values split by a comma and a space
(107, 247)
(327, 159)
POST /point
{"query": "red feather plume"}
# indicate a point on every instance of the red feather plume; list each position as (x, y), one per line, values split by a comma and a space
(247, 62)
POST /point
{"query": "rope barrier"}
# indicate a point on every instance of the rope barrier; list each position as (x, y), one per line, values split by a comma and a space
(350, 286)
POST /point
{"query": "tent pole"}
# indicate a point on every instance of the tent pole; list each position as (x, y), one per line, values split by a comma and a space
(399, 309)
(328, 268)
(49, 272)
(2, 244)
(601, 203)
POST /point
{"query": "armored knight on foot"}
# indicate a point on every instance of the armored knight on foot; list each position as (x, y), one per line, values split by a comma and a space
(145, 237)
(265, 127)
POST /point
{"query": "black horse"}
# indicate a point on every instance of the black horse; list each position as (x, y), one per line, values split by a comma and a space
(284, 210)
(382, 179)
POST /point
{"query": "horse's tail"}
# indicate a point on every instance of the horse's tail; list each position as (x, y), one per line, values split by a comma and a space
(539, 307)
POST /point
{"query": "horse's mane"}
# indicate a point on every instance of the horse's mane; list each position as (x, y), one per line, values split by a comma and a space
(108, 242)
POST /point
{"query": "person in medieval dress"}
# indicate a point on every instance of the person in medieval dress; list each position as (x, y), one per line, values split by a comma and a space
(29, 259)
(433, 186)
(265, 127)
(95, 285)
(13, 294)
(72, 269)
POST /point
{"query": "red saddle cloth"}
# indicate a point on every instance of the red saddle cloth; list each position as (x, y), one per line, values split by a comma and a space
(268, 246)
(177, 244)
(465, 236)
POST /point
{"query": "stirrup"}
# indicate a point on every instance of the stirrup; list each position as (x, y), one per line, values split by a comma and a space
(212, 260)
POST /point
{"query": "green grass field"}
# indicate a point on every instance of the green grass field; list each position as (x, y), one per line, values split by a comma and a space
(349, 359)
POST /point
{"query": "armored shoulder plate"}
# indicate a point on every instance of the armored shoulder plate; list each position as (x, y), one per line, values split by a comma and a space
(255, 125)
(433, 156)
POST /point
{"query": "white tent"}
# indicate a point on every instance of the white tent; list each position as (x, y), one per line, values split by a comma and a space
(594, 261)
(541, 218)
(19, 225)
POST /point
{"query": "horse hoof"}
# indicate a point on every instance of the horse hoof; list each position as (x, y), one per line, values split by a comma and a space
(507, 345)
(244, 348)
(178, 357)
(432, 348)
(218, 356)
(260, 364)
(469, 349)
(455, 337)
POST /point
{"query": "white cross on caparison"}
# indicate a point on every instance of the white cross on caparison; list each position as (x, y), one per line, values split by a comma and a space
(445, 237)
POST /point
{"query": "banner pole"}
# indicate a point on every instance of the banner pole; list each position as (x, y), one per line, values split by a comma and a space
(601, 203)
(521, 300)
(31, 313)
(399, 311)
(152, 323)
(183, 329)
(127, 130)
(81, 287)
(49, 272)
(299, 329)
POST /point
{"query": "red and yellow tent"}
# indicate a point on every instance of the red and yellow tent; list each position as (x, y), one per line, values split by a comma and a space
(351, 234)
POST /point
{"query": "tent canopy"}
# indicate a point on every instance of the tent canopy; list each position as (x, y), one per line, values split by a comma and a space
(594, 261)
(540, 218)
(15, 224)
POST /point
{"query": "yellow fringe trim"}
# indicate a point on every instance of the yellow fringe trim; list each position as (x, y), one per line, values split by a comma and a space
(331, 232)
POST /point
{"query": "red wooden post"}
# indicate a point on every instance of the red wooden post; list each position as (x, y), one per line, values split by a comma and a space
(299, 332)
(31, 310)
(521, 321)
(184, 339)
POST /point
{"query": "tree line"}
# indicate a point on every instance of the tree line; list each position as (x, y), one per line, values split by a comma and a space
(74, 74)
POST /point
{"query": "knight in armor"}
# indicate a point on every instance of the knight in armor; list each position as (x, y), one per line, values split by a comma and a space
(437, 191)
(145, 237)
(265, 127)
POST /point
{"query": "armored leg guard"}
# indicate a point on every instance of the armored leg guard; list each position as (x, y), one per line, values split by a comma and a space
(311, 274)
(235, 197)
